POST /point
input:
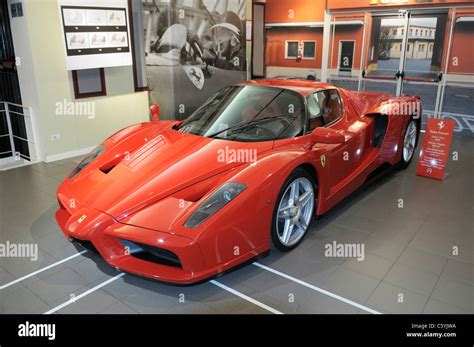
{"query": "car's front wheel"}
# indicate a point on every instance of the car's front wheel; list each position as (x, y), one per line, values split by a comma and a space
(294, 210)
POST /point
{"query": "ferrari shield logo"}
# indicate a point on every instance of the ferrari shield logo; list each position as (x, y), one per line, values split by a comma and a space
(323, 160)
(195, 75)
(81, 219)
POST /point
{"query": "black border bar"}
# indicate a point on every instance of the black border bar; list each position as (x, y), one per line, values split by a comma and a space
(324, 330)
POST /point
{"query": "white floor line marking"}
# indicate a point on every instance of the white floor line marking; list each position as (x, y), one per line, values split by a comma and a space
(245, 297)
(41, 270)
(323, 291)
(80, 296)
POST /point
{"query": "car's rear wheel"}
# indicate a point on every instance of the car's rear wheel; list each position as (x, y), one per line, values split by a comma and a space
(409, 143)
(294, 210)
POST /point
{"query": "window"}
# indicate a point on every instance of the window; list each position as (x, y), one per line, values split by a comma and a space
(309, 49)
(324, 108)
(89, 83)
(430, 48)
(421, 48)
(416, 32)
(403, 31)
(400, 48)
(291, 51)
(314, 111)
(408, 48)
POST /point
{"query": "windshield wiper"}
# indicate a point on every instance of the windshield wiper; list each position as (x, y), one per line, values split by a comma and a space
(244, 125)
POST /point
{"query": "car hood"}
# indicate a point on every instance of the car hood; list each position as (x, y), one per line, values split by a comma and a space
(152, 165)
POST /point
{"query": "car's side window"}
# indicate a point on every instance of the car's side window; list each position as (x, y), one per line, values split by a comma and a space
(332, 107)
(314, 111)
(324, 107)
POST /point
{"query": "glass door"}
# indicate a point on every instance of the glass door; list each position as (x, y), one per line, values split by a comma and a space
(406, 55)
(423, 70)
(386, 53)
(424, 52)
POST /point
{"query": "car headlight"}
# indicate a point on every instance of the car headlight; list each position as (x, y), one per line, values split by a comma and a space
(221, 197)
(87, 160)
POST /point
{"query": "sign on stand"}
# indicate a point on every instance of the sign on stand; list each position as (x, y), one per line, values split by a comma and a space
(435, 148)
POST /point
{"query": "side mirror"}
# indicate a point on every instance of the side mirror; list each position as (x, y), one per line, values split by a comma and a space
(327, 136)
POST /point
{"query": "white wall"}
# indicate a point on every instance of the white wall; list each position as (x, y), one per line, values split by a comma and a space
(45, 82)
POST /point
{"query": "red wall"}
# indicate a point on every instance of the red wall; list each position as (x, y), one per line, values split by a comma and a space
(462, 45)
(277, 11)
(275, 48)
(463, 40)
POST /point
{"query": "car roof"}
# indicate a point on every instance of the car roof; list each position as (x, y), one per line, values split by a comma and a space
(300, 86)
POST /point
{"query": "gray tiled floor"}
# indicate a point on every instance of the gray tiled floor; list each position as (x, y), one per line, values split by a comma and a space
(418, 258)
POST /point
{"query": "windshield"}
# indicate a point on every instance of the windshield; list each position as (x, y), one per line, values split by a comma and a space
(247, 114)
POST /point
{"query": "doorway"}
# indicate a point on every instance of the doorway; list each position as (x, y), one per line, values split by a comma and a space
(13, 132)
(405, 54)
(346, 56)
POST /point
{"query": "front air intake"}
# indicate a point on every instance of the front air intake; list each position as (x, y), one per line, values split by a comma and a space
(87, 245)
(152, 254)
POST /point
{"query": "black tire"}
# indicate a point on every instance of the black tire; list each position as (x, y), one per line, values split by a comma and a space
(403, 164)
(275, 243)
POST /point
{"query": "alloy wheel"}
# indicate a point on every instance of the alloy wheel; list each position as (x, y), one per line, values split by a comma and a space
(409, 141)
(295, 211)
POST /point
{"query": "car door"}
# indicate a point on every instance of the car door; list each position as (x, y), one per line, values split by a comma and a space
(327, 108)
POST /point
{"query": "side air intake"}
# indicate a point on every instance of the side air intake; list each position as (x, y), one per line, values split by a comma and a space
(381, 123)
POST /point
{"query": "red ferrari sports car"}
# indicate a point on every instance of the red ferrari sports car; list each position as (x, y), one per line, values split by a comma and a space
(182, 201)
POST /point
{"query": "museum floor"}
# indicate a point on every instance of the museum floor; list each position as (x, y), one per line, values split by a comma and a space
(418, 259)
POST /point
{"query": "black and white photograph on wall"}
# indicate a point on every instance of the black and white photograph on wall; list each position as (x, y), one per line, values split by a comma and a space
(193, 48)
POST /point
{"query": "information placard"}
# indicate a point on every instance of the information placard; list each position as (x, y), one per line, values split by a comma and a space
(435, 148)
(96, 33)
